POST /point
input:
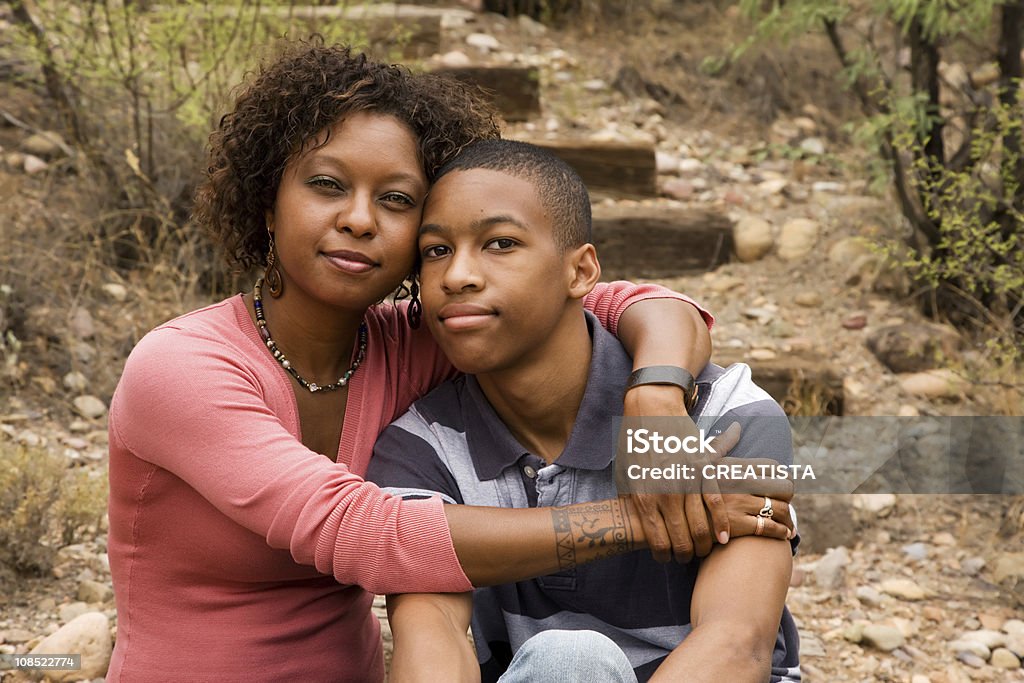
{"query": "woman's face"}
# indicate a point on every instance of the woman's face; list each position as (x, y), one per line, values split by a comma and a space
(347, 212)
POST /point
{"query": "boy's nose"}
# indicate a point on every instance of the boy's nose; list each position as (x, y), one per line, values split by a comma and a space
(461, 274)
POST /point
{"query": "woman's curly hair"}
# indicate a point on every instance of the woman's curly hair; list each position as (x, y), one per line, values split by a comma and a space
(296, 97)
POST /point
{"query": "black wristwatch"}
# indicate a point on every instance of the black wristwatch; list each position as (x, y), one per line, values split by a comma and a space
(667, 374)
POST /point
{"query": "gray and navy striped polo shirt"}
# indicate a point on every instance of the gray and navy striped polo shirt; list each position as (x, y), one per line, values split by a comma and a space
(452, 444)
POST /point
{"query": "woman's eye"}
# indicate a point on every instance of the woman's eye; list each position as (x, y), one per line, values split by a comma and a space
(501, 243)
(435, 251)
(398, 198)
(325, 182)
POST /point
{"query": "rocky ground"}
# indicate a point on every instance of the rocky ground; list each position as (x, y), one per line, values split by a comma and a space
(919, 590)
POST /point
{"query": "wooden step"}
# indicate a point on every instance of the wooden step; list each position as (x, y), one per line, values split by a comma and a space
(610, 169)
(515, 90)
(802, 385)
(654, 242)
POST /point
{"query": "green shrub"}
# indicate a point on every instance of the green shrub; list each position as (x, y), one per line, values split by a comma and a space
(44, 505)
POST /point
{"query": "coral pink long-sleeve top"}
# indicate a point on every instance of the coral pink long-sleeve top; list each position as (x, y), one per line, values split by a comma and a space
(238, 554)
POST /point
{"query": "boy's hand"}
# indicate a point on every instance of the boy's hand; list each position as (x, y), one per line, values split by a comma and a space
(677, 525)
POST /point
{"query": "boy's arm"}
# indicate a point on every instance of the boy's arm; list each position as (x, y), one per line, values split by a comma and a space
(735, 612)
(672, 332)
(430, 643)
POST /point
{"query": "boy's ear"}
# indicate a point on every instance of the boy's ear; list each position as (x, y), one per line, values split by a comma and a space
(583, 270)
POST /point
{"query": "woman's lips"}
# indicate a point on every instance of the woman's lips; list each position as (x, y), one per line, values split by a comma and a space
(465, 316)
(351, 261)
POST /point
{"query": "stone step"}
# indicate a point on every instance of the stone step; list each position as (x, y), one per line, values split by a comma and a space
(655, 242)
(611, 169)
(802, 385)
(515, 90)
(415, 30)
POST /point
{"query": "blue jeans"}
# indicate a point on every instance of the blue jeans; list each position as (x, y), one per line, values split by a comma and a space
(569, 657)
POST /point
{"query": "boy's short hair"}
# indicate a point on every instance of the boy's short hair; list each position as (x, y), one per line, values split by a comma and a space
(559, 187)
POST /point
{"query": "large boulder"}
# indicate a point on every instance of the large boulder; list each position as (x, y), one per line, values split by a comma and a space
(914, 347)
(88, 635)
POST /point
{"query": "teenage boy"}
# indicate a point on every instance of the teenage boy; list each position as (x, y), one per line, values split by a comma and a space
(506, 262)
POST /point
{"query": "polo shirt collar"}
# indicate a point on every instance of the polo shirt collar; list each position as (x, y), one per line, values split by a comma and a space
(591, 443)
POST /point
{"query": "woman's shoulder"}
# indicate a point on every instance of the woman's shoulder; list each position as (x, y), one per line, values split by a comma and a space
(203, 330)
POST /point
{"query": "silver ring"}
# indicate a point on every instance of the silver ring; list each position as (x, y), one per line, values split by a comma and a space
(766, 511)
(759, 529)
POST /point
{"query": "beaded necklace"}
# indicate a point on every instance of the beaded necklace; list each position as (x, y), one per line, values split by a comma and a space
(312, 387)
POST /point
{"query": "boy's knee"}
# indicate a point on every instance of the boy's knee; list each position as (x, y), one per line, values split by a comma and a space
(585, 656)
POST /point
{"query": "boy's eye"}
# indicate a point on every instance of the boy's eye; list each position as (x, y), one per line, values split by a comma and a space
(501, 243)
(435, 251)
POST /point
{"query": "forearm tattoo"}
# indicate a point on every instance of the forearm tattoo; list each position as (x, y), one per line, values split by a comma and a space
(591, 531)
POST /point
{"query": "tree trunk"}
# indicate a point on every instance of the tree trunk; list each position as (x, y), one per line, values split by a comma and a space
(1010, 72)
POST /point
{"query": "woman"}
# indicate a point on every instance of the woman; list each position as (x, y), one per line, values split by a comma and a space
(237, 550)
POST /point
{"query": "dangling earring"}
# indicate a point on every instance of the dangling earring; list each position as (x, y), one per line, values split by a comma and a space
(415, 311)
(272, 274)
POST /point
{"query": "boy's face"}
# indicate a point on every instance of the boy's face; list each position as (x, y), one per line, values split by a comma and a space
(493, 281)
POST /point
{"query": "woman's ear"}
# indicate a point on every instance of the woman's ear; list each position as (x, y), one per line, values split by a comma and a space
(268, 218)
(583, 269)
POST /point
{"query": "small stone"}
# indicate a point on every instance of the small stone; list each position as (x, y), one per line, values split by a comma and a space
(920, 678)
(82, 325)
(916, 551)
(883, 637)
(94, 591)
(666, 162)
(987, 74)
(855, 321)
(47, 605)
(115, 291)
(808, 299)
(531, 27)
(825, 186)
(1009, 567)
(908, 411)
(483, 42)
(940, 383)
(46, 144)
(17, 636)
(848, 250)
(690, 166)
(936, 614)
(854, 632)
(971, 659)
(762, 354)
(455, 59)
(869, 595)
(797, 238)
(595, 85)
(725, 283)
(759, 313)
(87, 635)
(678, 188)
(972, 565)
(773, 186)
(83, 352)
(813, 146)
(880, 504)
(33, 164)
(944, 538)
(75, 381)
(90, 407)
(914, 347)
(14, 160)
(811, 646)
(904, 589)
(752, 238)
(989, 638)
(829, 571)
(1014, 627)
(72, 611)
(1004, 659)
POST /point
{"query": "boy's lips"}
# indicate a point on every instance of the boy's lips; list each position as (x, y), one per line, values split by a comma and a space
(351, 261)
(465, 316)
